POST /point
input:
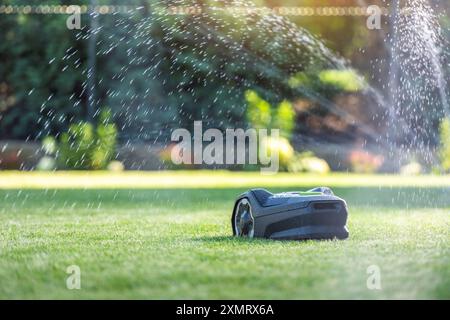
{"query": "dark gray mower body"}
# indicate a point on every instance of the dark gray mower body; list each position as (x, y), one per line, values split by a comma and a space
(315, 214)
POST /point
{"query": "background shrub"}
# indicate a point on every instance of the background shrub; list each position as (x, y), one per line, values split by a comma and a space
(86, 147)
(444, 148)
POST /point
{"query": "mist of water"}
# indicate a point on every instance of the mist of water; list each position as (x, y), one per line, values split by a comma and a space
(418, 95)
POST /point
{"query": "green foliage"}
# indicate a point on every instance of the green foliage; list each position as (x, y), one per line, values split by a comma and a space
(285, 118)
(444, 149)
(329, 81)
(76, 145)
(300, 79)
(344, 80)
(86, 147)
(261, 114)
(105, 145)
(259, 111)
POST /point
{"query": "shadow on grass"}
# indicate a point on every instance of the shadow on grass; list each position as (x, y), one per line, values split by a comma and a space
(263, 241)
(217, 239)
(239, 241)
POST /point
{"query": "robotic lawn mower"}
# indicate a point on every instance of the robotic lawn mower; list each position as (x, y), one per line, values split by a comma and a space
(315, 214)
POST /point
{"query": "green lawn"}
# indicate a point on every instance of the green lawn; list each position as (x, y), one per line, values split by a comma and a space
(167, 235)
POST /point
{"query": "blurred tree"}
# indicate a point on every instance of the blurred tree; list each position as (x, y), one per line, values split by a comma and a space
(155, 70)
(37, 74)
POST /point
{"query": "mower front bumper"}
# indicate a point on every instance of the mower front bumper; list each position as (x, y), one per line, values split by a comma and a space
(319, 220)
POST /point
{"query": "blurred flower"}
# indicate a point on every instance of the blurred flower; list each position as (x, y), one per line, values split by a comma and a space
(115, 166)
(46, 163)
(282, 146)
(411, 169)
(315, 165)
(308, 162)
(365, 162)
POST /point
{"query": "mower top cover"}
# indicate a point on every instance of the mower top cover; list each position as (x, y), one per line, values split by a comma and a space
(315, 214)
